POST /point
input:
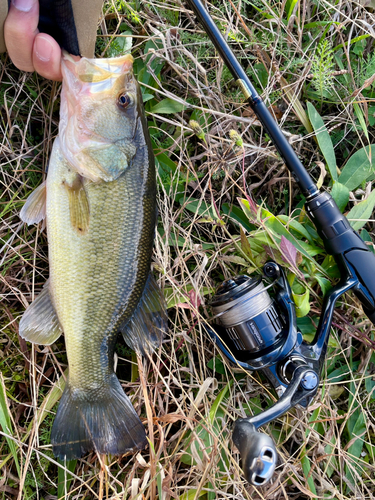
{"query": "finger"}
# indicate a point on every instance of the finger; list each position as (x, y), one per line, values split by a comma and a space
(47, 57)
(20, 29)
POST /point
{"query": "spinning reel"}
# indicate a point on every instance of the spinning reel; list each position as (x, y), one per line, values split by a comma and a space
(258, 331)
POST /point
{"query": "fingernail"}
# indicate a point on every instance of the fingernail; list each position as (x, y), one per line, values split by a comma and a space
(43, 48)
(23, 5)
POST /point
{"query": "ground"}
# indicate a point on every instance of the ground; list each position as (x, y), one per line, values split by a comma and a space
(226, 205)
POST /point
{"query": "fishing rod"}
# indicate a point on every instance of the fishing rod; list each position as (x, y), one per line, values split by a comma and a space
(255, 325)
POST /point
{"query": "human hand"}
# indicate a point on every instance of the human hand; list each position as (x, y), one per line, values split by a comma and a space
(29, 49)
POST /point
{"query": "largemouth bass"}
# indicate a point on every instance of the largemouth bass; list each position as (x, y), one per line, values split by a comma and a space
(99, 200)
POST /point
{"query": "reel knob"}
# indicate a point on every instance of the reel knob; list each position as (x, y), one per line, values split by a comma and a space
(271, 270)
(258, 452)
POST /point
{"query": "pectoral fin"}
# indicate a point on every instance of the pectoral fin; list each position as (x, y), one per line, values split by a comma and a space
(40, 324)
(145, 330)
(78, 205)
(34, 210)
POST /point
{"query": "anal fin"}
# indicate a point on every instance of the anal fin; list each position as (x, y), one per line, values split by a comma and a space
(40, 324)
(34, 209)
(145, 330)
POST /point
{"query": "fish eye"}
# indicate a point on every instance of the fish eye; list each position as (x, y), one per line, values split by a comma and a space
(124, 100)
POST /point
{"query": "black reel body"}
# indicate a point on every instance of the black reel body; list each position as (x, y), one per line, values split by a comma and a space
(257, 330)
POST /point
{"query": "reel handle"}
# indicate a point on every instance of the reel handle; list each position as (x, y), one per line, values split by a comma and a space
(257, 450)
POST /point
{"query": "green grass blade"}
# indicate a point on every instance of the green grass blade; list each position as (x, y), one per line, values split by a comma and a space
(6, 424)
(64, 478)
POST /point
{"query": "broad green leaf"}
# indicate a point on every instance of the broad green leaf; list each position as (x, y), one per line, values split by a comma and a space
(360, 214)
(245, 245)
(216, 365)
(146, 97)
(306, 466)
(165, 163)
(357, 434)
(278, 230)
(199, 207)
(302, 303)
(121, 44)
(324, 140)
(308, 330)
(156, 64)
(316, 24)
(289, 7)
(330, 267)
(371, 115)
(340, 194)
(276, 227)
(306, 326)
(361, 119)
(237, 215)
(324, 283)
(369, 381)
(342, 373)
(217, 402)
(367, 238)
(297, 226)
(167, 106)
(305, 459)
(331, 461)
(359, 168)
(235, 259)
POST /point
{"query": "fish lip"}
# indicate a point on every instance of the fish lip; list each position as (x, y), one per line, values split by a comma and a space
(111, 65)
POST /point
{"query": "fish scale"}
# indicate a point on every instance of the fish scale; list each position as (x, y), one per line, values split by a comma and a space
(89, 298)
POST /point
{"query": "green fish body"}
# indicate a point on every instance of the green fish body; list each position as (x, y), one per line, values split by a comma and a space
(101, 215)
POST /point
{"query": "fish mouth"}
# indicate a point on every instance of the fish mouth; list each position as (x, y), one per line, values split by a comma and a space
(98, 75)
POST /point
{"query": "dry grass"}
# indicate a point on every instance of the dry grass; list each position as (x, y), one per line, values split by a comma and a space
(187, 406)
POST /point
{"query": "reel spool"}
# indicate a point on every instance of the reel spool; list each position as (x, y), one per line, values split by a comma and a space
(251, 318)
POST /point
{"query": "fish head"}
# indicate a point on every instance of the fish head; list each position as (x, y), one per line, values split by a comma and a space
(101, 108)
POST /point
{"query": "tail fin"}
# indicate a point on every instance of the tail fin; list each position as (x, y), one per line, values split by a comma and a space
(102, 420)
